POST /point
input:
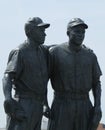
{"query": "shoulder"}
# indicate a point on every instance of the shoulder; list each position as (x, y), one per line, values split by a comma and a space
(84, 47)
(13, 52)
(57, 47)
(44, 47)
(23, 46)
(89, 51)
(16, 51)
(20, 47)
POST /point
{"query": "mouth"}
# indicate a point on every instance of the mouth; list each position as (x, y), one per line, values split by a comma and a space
(79, 39)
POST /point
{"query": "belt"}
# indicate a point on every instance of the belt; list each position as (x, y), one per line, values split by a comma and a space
(35, 96)
(70, 95)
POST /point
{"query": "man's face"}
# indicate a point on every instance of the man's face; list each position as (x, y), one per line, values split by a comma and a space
(76, 35)
(38, 35)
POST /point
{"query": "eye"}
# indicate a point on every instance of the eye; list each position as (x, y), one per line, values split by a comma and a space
(80, 31)
(42, 29)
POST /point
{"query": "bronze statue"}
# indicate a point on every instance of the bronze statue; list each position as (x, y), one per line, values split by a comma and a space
(27, 74)
(74, 72)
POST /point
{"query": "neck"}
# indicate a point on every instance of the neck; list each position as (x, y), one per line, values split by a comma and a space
(32, 43)
(74, 47)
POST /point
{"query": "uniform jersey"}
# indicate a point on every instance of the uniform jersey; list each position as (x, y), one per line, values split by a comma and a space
(30, 67)
(73, 71)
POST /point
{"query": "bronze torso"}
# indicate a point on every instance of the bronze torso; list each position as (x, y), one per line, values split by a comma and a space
(30, 66)
(76, 70)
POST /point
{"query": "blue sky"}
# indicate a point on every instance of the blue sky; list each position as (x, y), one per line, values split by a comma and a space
(14, 13)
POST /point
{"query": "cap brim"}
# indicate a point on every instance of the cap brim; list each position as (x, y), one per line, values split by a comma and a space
(45, 25)
(83, 24)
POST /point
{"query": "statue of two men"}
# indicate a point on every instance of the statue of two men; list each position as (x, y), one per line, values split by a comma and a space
(74, 71)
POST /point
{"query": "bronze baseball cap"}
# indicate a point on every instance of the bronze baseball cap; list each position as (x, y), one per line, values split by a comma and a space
(75, 22)
(38, 22)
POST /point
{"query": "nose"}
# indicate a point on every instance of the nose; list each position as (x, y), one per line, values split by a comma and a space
(81, 34)
(44, 34)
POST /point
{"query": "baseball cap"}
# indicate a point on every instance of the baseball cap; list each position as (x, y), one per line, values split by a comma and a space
(75, 22)
(38, 22)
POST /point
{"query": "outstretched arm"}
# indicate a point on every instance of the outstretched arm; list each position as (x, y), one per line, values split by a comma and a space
(46, 108)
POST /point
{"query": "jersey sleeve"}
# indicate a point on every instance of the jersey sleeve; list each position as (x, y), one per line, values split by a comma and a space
(14, 62)
(96, 68)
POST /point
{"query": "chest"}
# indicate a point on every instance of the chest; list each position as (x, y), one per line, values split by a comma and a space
(74, 61)
(34, 59)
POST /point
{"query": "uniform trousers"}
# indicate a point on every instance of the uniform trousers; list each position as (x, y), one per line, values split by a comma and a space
(34, 112)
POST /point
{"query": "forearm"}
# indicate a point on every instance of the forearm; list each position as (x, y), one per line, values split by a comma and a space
(97, 113)
(97, 93)
(46, 108)
(7, 86)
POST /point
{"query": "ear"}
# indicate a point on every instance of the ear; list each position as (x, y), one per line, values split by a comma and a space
(30, 32)
(68, 33)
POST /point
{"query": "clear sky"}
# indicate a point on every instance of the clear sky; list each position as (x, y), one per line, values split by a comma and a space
(14, 13)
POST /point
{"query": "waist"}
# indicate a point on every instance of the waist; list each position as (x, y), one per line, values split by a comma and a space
(71, 95)
(38, 97)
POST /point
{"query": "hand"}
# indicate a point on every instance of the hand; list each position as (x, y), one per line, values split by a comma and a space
(14, 109)
(97, 114)
(46, 111)
(9, 106)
